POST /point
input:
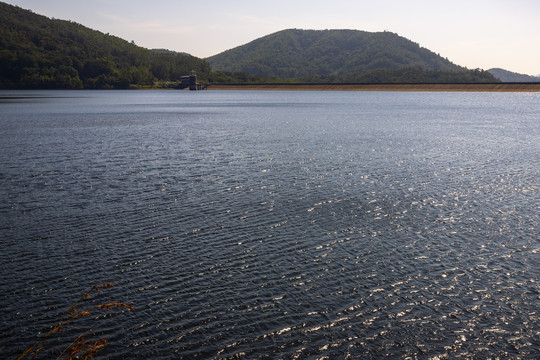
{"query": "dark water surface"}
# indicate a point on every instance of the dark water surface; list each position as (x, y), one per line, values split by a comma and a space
(274, 224)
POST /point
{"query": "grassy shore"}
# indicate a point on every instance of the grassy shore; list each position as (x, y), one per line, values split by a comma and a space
(492, 87)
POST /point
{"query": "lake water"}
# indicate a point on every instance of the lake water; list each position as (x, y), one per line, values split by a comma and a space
(264, 225)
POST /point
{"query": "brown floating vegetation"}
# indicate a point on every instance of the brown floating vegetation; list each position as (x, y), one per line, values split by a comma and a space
(81, 347)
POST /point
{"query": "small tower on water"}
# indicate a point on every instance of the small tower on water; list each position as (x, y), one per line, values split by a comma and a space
(190, 81)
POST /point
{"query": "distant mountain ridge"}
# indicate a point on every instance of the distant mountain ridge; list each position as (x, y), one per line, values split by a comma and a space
(336, 55)
(509, 76)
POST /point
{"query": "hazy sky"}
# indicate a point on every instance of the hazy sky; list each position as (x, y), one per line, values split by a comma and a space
(472, 33)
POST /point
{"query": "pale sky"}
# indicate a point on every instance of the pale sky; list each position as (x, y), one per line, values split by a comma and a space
(473, 33)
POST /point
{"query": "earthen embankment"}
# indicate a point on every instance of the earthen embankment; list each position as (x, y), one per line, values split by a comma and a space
(490, 87)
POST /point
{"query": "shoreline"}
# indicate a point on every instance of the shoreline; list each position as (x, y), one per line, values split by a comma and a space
(489, 87)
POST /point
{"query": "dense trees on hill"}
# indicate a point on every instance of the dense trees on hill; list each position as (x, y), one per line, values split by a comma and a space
(380, 76)
(37, 52)
(342, 56)
(226, 77)
(300, 53)
(420, 75)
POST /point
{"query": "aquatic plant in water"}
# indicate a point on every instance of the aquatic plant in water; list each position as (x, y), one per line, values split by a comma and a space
(81, 347)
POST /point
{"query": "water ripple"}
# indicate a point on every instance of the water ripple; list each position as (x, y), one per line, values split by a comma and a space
(256, 225)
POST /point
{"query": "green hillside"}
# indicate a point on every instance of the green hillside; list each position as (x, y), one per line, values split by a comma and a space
(37, 52)
(342, 56)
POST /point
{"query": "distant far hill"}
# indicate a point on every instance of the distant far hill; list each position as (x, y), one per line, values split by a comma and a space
(508, 76)
(342, 56)
(38, 52)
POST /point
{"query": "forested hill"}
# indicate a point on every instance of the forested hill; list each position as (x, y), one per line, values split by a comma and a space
(343, 56)
(38, 52)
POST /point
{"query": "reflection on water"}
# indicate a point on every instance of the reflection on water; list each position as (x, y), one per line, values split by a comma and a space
(275, 224)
